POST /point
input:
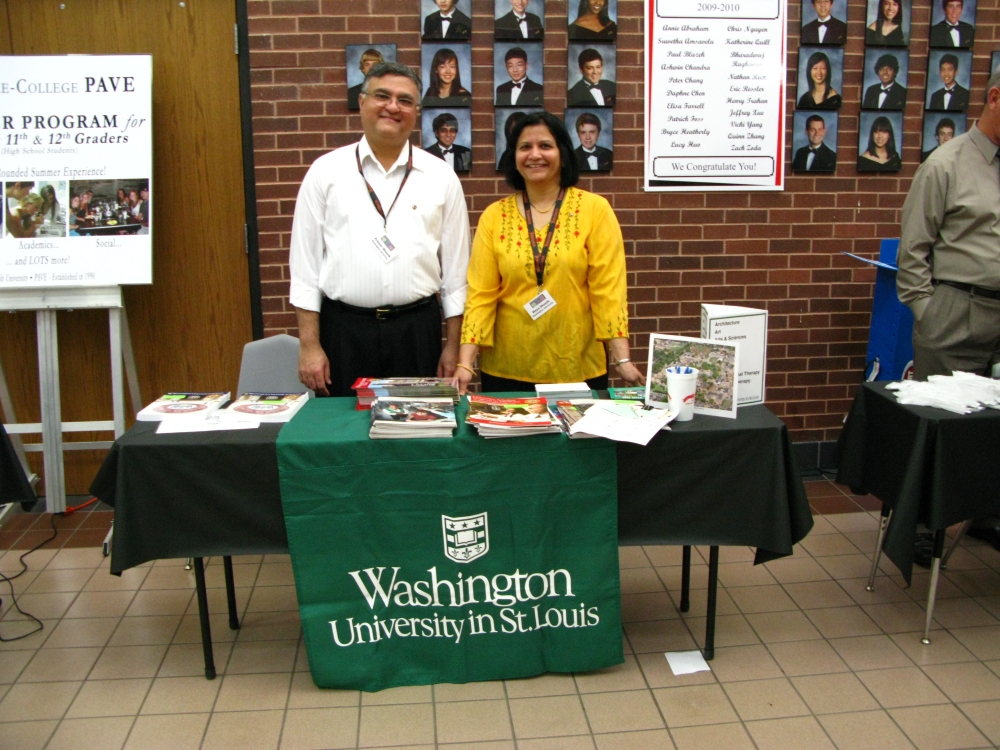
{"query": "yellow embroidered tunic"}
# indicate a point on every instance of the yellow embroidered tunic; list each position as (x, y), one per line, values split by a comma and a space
(584, 273)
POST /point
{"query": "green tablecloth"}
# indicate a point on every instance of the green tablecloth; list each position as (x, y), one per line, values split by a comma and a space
(448, 560)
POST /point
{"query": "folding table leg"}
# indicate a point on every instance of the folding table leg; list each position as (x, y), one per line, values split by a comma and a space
(883, 525)
(932, 590)
(713, 584)
(234, 620)
(955, 542)
(206, 628)
(686, 578)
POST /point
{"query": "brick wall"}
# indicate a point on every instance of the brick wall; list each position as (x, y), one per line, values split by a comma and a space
(779, 250)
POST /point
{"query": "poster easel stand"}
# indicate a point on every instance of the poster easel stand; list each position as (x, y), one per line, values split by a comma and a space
(45, 303)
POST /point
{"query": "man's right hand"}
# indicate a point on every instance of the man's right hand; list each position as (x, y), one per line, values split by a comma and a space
(314, 368)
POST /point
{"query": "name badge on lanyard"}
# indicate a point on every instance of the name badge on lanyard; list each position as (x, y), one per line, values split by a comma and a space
(542, 302)
(381, 243)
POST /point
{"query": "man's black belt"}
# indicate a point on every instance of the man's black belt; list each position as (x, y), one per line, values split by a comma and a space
(978, 291)
(386, 312)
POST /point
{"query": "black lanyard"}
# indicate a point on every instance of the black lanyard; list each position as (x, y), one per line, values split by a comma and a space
(543, 254)
(371, 192)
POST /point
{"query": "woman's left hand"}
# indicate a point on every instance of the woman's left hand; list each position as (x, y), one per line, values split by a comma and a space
(630, 374)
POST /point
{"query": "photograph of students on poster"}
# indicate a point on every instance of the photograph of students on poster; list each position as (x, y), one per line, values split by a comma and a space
(506, 119)
(821, 77)
(939, 128)
(814, 141)
(360, 58)
(824, 22)
(880, 142)
(447, 133)
(518, 75)
(446, 20)
(953, 23)
(949, 75)
(519, 20)
(886, 73)
(888, 23)
(593, 20)
(590, 75)
(443, 69)
(593, 138)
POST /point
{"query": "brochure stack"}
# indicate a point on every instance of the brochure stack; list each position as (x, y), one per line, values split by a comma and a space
(510, 417)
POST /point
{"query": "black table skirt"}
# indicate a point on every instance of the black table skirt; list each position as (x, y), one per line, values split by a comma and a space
(711, 481)
(928, 465)
(14, 486)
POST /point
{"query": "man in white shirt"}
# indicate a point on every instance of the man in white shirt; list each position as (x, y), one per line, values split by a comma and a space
(824, 29)
(952, 31)
(589, 156)
(592, 89)
(380, 228)
(447, 22)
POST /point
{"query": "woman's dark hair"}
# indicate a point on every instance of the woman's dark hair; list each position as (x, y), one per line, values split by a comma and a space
(569, 172)
(882, 125)
(814, 59)
(584, 9)
(49, 193)
(881, 13)
(443, 55)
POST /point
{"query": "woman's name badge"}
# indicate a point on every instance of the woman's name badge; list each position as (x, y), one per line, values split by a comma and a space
(539, 305)
(384, 247)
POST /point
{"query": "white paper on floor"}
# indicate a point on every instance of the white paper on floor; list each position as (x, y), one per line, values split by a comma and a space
(687, 662)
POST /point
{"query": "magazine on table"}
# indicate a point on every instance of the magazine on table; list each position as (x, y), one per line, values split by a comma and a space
(510, 417)
(401, 417)
(368, 389)
(178, 405)
(265, 407)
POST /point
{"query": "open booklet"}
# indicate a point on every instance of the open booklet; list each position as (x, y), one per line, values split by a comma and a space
(623, 421)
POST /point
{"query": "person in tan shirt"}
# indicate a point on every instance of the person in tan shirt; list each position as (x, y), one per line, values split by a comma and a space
(949, 260)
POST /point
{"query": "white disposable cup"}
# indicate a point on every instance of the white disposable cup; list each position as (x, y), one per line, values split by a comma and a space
(681, 385)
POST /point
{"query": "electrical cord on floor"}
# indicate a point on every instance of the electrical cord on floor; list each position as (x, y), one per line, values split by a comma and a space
(24, 569)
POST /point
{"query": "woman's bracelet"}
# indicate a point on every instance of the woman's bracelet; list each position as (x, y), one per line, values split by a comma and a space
(465, 367)
(620, 362)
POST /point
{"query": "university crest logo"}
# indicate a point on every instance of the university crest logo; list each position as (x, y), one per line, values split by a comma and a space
(465, 538)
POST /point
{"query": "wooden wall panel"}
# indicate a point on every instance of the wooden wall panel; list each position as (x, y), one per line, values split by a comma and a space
(189, 326)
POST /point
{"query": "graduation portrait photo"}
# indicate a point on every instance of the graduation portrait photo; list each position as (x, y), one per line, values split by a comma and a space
(593, 20)
(939, 128)
(953, 23)
(507, 119)
(360, 58)
(949, 75)
(519, 20)
(888, 23)
(590, 75)
(814, 142)
(821, 77)
(824, 22)
(880, 142)
(886, 73)
(593, 140)
(447, 134)
(446, 70)
(446, 20)
(517, 75)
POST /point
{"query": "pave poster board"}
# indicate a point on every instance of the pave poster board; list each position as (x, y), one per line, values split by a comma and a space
(715, 95)
(76, 159)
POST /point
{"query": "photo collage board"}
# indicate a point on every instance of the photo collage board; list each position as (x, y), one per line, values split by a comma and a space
(518, 76)
(885, 80)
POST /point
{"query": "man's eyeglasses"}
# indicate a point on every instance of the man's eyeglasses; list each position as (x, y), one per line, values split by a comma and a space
(383, 99)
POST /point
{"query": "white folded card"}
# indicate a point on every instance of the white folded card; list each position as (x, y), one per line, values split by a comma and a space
(204, 425)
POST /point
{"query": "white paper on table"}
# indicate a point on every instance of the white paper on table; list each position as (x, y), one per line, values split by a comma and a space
(169, 426)
(621, 422)
(686, 662)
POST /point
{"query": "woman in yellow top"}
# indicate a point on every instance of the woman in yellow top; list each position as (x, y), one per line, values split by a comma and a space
(539, 311)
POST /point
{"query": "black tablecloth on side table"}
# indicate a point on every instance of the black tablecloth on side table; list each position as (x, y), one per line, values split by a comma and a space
(928, 465)
(192, 494)
(14, 486)
(715, 481)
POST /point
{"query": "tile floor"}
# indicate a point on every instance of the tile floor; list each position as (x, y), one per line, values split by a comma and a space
(805, 658)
